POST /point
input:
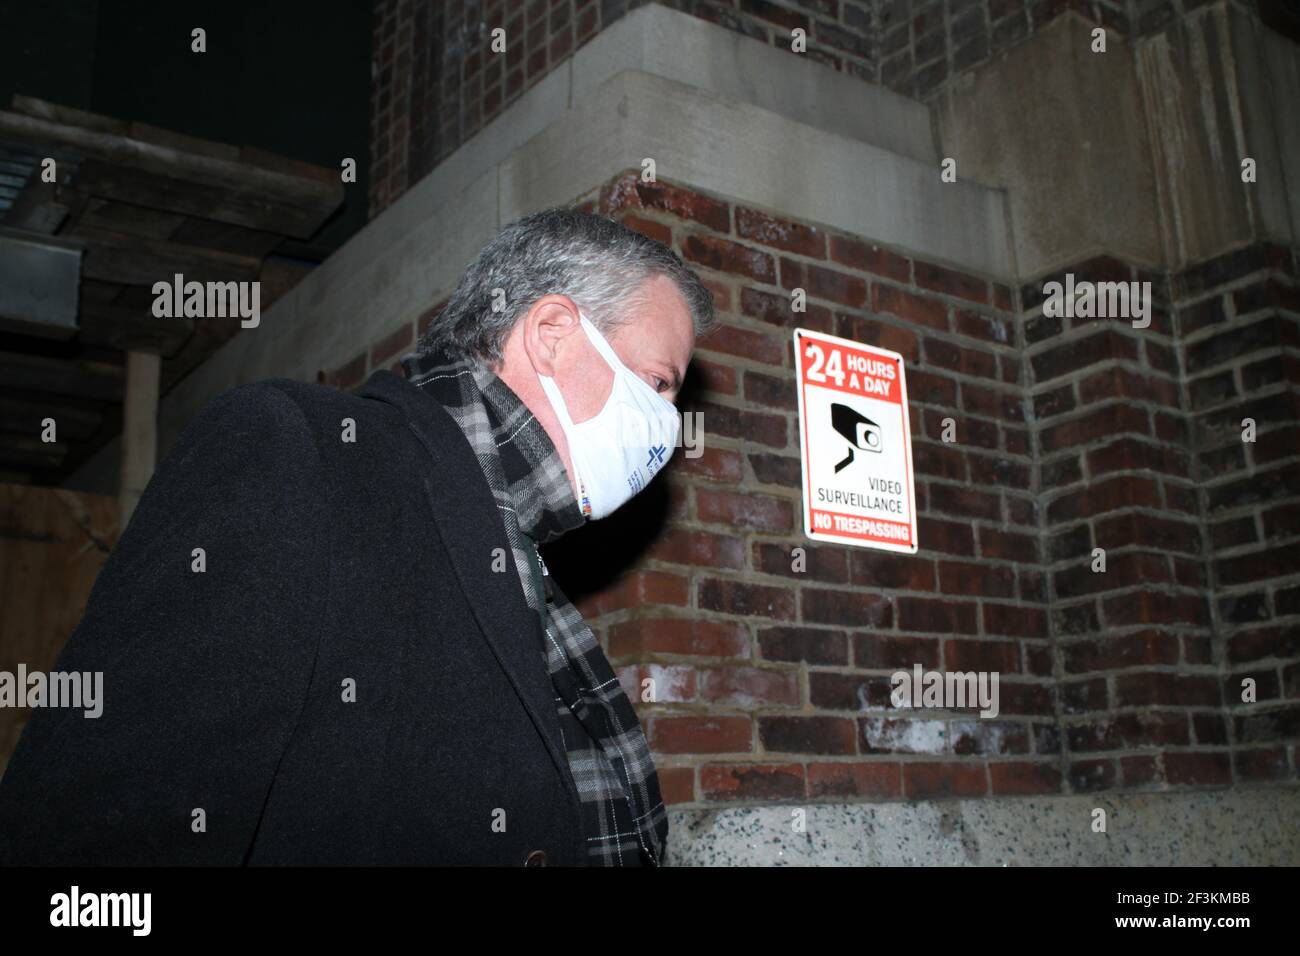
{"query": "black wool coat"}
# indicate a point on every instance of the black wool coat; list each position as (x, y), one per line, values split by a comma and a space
(334, 570)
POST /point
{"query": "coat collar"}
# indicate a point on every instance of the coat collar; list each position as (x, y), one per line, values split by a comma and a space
(467, 521)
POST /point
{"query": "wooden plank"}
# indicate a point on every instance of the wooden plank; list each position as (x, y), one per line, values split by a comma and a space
(246, 208)
(80, 377)
(136, 261)
(129, 218)
(226, 237)
(24, 451)
(159, 136)
(24, 416)
(56, 113)
(313, 195)
(119, 327)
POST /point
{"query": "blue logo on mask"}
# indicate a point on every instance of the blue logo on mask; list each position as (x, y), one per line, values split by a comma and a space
(656, 456)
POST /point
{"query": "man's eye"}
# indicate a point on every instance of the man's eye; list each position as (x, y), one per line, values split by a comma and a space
(660, 384)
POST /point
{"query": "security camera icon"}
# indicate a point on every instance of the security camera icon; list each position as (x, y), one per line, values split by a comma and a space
(858, 430)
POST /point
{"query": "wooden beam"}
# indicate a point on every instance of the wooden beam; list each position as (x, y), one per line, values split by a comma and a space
(133, 260)
(315, 198)
(117, 327)
(24, 416)
(199, 200)
(80, 377)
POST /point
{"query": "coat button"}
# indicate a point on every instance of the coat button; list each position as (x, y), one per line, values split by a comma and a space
(536, 858)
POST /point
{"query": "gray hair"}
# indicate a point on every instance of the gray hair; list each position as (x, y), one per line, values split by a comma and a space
(600, 264)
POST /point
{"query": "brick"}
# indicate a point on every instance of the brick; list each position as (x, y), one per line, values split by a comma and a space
(990, 656)
(807, 735)
(723, 255)
(836, 691)
(1198, 768)
(1105, 421)
(826, 563)
(771, 391)
(713, 376)
(775, 470)
(985, 737)
(666, 683)
(1023, 778)
(718, 464)
(894, 572)
(976, 580)
(752, 427)
(637, 589)
(1081, 353)
(887, 651)
(783, 17)
(628, 191)
(746, 600)
(697, 548)
(878, 780)
(870, 258)
(966, 360)
(752, 781)
(752, 511)
(1110, 653)
(1139, 771)
(807, 644)
(1156, 608)
(925, 311)
(732, 339)
(934, 781)
(749, 687)
(648, 227)
(822, 283)
(1090, 776)
(844, 608)
(951, 282)
(935, 616)
(780, 233)
(686, 637)
(1129, 731)
(1271, 726)
(1162, 687)
(699, 735)
(1260, 766)
(889, 735)
(950, 537)
(1015, 621)
(880, 334)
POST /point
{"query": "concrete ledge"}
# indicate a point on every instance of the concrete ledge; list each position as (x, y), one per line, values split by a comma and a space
(665, 42)
(1239, 827)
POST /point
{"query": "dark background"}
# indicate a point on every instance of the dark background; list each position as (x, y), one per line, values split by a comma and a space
(291, 77)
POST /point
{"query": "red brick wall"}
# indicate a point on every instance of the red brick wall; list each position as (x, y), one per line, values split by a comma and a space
(1072, 434)
(1238, 318)
(778, 680)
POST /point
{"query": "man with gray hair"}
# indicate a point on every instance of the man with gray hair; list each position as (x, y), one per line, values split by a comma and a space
(327, 633)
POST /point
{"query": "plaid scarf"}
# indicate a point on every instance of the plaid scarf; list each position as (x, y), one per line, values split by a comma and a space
(623, 814)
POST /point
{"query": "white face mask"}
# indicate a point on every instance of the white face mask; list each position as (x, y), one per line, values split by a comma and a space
(617, 451)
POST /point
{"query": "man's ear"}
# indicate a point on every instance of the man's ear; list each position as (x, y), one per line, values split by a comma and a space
(548, 325)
